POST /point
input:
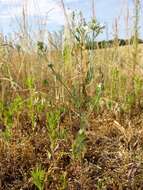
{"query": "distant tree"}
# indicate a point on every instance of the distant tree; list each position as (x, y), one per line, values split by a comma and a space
(41, 47)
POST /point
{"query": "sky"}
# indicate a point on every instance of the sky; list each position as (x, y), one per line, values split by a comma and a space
(49, 14)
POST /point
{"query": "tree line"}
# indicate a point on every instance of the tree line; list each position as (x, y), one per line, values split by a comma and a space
(110, 43)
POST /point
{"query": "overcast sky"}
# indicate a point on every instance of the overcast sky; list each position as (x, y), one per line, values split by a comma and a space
(52, 15)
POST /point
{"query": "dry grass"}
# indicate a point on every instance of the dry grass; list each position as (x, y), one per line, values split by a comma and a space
(71, 118)
(112, 156)
(112, 160)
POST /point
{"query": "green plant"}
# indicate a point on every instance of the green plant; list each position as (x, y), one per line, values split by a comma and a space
(38, 177)
(130, 101)
(138, 85)
(101, 184)
(94, 103)
(63, 181)
(78, 146)
(41, 48)
(54, 131)
(7, 134)
(1, 109)
(115, 83)
(9, 112)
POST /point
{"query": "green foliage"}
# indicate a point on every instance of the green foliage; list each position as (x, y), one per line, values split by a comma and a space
(95, 27)
(64, 181)
(38, 177)
(138, 83)
(109, 104)
(130, 101)
(30, 83)
(95, 100)
(46, 82)
(101, 184)
(53, 119)
(77, 100)
(115, 83)
(16, 105)
(78, 146)
(41, 48)
(11, 110)
(8, 112)
(1, 109)
(6, 134)
(85, 32)
(40, 104)
(89, 76)
(67, 55)
(54, 131)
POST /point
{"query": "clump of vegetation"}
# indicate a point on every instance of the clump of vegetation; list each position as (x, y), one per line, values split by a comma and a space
(38, 176)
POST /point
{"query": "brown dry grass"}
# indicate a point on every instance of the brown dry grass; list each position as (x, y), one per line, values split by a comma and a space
(113, 157)
(114, 135)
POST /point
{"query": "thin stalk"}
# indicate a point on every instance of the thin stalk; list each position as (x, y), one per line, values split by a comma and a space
(135, 43)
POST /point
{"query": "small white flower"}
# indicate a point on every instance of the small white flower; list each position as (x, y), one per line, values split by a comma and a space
(99, 85)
